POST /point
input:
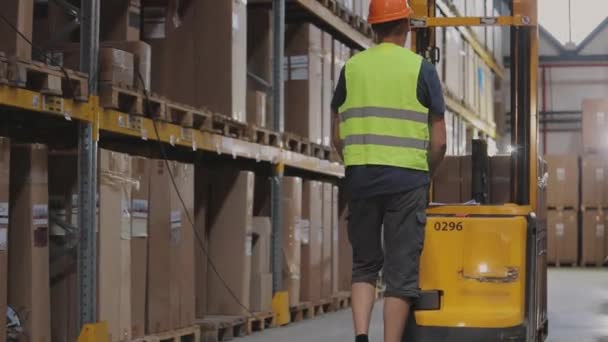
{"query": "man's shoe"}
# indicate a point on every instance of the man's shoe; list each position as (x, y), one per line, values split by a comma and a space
(361, 338)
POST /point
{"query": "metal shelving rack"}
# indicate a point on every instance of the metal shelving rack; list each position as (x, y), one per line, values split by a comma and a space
(93, 120)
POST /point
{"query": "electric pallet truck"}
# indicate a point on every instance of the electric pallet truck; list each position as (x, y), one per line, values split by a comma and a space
(483, 268)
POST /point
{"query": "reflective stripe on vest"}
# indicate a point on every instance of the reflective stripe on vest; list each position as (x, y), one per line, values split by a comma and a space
(382, 121)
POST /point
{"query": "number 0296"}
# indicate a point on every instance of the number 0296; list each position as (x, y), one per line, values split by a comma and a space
(450, 226)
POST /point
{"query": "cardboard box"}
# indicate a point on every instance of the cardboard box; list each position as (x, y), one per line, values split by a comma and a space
(256, 108)
(327, 88)
(335, 241)
(202, 185)
(63, 205)
(562, 237)
(303, 86)
(121, 20)
(345, 274)
(116, 66)
(140, 210)
(500, 179)
(215, 78)
(21, 14)
(261, 292)
(114, 251)
(5, 153)
(594, 173)
(260, 257)
(446, 184)
(312, 240)
(230, 241)
(594, 238)
(259, 59)
(142, 60)
(563, 174)
(326, 265)
(182, 244)
(159, 223)
(28, 240)
(292, 216)
(595, 124)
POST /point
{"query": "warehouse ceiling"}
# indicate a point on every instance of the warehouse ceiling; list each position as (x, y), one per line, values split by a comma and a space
(572, 21)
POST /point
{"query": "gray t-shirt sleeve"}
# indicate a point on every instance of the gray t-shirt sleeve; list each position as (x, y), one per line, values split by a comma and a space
(430, 92)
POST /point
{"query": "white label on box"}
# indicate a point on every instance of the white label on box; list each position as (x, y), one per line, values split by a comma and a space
(176, 219)
(298, 68)
(297, 233)
(3, 239)
(235, 21)
(3, 212)
(305, 227)
(40, 214)
(599, 174)
(599, 230)
(601, 118)
(561, 174)
(248, 245)
(139, 208)
(559, 229)
(125, 232)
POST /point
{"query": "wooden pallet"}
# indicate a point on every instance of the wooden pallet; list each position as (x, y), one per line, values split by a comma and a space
(222, 328)
(260, 321)
(46, 79)
(296, 144)
(332, 5)
(301, 312)
(228, 126)
(190, 334)
(322, 307)
(320, 151)
(340, 301)
(130, 100)
(562, 264)
(346, 14)
(263, 136)
(187, 116)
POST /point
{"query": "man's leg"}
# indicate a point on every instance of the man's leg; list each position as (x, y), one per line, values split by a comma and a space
(404, 223)
(364, 233)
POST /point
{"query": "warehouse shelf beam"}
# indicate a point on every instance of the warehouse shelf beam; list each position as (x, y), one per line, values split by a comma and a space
(469, 36)
(87, 170)
(325, 15)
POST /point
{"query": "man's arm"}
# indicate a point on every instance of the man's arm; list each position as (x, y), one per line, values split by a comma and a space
(438, 145)
(337, 101)
(338, 144)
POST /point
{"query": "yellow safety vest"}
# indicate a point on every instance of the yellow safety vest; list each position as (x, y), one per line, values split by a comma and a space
(382, 121)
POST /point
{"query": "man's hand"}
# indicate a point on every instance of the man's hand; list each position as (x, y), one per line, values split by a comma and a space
(438, 142)
(338, 144)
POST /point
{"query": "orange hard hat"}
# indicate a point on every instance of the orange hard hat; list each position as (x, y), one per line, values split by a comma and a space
(381, 11)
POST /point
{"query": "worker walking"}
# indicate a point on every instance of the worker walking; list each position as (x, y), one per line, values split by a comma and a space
(389, 128)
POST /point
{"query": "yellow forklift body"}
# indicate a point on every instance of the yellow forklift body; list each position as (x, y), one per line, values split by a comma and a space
(476, 258)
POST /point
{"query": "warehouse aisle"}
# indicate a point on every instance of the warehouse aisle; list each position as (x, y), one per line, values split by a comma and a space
(578, 310)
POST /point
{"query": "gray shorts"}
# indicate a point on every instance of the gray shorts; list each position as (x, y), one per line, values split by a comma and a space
(403, 217)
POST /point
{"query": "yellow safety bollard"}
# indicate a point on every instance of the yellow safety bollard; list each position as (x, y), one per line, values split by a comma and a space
(280, 307)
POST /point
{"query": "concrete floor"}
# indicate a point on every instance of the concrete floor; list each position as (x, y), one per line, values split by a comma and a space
(578, 311)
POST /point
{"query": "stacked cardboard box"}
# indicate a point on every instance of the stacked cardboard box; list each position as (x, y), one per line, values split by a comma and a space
(292, 232)
(202, 200)
(114, 253)
(28, 240)
(304, 81)
(121, 20)
(259, 52)
(595, 125)
(187, 72)
(312, 240)
(327, 89)
(594, 237)
(594, 200)
(170, 292)
(20, 13)
(230, 241)
(5, 152)
(326, 256)
(261, 277)
(562, 216)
